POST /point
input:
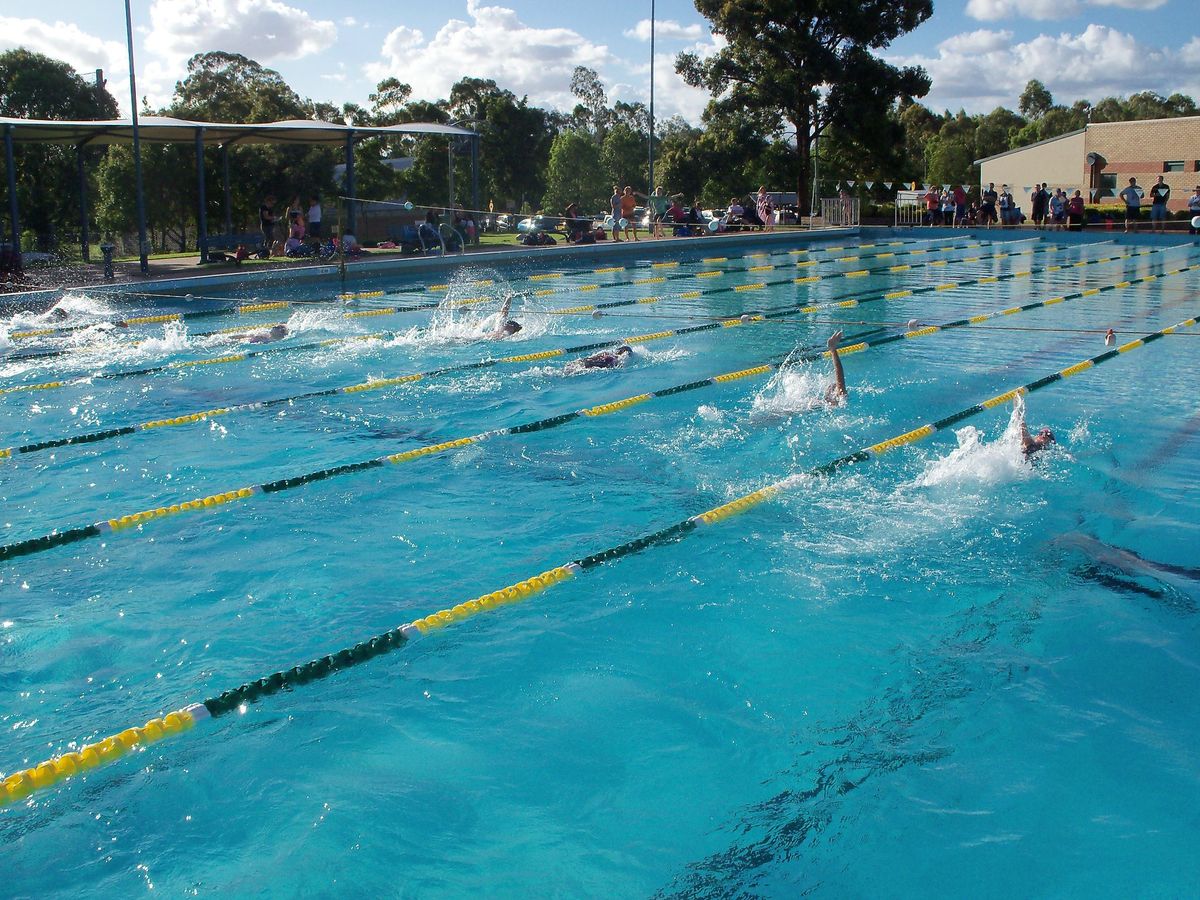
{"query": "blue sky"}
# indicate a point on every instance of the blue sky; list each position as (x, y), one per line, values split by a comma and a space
(980, 53)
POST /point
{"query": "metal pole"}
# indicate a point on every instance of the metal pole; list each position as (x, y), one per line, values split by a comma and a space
(84, 238)
(143, 250)
(475, 176)
(450, 167)
(201, 199)
(225, 173)
(650, 187)
(350, 217)
(14, 211)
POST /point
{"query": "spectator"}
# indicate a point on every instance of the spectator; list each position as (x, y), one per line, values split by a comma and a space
(1132, 195)
(1058, 210)
(933, 206)
(1039, 203)
(314, 216)
(960, 206)
(1075, 212)
(733, 215)
(1194, 209)
(847, 203)
(766, 208)
(987, 206)
(658, 203)
(615, 202)
(628, 206)
(1159, 195)
(1006, 204)
(947, 208)
(266, 221)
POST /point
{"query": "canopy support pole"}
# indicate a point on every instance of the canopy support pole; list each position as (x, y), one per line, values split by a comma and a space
(85, 243)
(225, 173)
(202, 199)
(475, 174)
(14, 211)
(350, 216)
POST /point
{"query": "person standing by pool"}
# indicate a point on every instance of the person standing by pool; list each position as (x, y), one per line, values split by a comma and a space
(628, 205)
(1159, 195)
(615, 203)
(987, 206)
(266, 222)
(1194, 209)
(659, 203)
(314, 217)
(1039, 202)
(1132, 195)
(766, 208)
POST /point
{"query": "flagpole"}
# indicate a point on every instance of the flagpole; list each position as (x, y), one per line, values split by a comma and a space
(144, 262)
(650, 140)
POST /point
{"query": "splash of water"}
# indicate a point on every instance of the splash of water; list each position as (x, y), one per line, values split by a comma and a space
(976, 461)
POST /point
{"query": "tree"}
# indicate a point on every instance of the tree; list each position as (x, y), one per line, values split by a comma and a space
(34, 86)
(574, 174)
(807, 63)
(623, 157)
(1035, 100)
(592, 111)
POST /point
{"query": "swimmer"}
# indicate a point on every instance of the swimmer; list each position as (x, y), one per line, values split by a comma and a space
(507, 327)
(1110, 338)
(58, 314)
(835, 394)
(1031, 444)
(265, 336)
(605, 359)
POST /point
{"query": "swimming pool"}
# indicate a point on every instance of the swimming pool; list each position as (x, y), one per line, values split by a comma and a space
(936, 667)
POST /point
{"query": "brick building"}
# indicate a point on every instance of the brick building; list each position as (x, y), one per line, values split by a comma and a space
(1100, 159)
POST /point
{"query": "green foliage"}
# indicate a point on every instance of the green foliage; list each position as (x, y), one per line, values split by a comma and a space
(624, 156)
(38, 87)
(575, 175)
(808, 64)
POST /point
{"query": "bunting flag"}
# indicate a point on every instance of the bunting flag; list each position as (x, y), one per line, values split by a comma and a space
(887, 185)
(869, 184)
(1094, 192)
(851, 183)
(945, 187)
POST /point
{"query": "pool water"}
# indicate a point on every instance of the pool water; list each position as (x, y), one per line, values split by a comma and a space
(941, 670)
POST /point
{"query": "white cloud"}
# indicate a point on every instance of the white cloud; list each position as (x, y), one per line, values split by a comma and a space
(672, 95)
(982, 69)
(1130, 4)
(494, 44)
(994, 10)
(665, 29)
(67, 42)
(349, 22)
(264, 30)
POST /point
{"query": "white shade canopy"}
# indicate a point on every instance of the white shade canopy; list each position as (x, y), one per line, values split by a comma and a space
(166, 130)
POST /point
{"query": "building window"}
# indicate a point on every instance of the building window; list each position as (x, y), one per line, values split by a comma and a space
(1108, 185)
(1175, 165)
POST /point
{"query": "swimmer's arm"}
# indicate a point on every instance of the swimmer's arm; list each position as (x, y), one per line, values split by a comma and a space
(837, 392)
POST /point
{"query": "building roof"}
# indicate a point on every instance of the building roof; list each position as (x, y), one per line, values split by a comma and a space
(1057, 137)
(166, 130)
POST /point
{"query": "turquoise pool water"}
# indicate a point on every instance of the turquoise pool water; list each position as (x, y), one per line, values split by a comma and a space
(941, 670)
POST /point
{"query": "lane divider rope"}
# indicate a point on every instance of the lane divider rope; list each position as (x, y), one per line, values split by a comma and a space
(71, 535)
(20, 785)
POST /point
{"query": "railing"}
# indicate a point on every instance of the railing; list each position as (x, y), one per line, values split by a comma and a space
(910, 210)
(840, 211)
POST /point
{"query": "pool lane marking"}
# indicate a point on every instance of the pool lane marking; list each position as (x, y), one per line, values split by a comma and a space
(257, 306)
(378, 383)
(688, 295)
(75, 534)
(21, 784)
(457, 304)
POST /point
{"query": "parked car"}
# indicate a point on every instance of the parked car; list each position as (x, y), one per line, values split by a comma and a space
(534, 224)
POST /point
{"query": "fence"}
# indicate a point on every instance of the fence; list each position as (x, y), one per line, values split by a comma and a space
(910, 208)
(839, 211)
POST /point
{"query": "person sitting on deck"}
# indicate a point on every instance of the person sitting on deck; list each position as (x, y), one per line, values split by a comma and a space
(605, 359)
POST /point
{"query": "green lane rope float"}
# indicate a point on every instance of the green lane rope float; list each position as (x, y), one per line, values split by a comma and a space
(778, 313)
(21, 784)
(75, 534)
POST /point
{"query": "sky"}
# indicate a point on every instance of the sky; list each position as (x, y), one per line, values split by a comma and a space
(979, 53)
